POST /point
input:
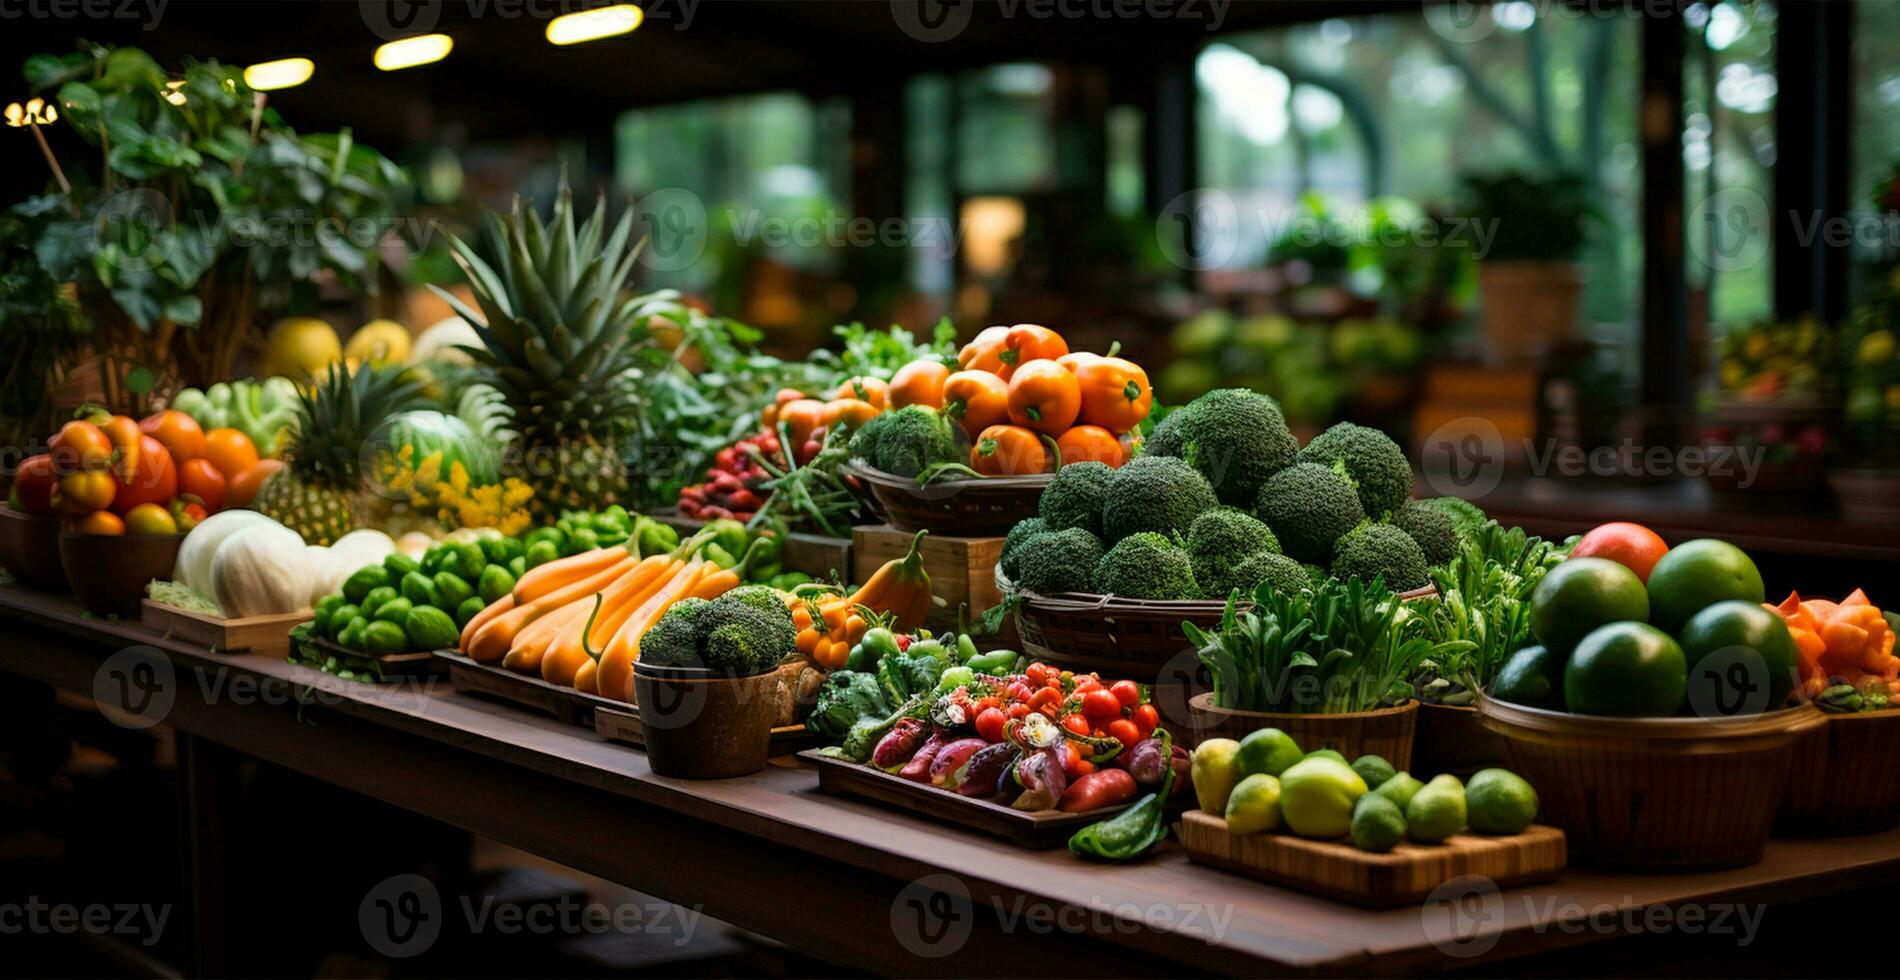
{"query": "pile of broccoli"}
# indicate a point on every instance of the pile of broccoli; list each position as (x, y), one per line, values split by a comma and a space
(745, 631)
(1224, 499)
(906, 442)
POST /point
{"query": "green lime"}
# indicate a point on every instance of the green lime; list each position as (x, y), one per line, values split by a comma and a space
(1377, 824)
(1626, 670)
(1325, 754)
(1400, 788)
(1533, 677)
(1254, 805)
(1500, 802)
(1741, 659)
(1437, 811)
(1582, 594)
(1316, 797)
(1695, 575)
(1373, 769)
(1268, 750)
(1214, 772)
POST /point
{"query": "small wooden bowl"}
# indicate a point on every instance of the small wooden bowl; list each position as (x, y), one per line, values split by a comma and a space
(109, 572)
(701, 725)
(1384, 732)
(971, 508)
(1842, 781)
(29, 549)
(1655, 794)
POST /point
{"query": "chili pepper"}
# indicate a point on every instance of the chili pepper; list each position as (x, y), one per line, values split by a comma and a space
(1134, 831)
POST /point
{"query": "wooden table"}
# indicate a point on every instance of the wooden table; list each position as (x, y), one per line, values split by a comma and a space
(842, 879)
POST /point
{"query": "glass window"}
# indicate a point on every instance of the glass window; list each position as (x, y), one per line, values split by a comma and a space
(1876, 133)
(1728, 155)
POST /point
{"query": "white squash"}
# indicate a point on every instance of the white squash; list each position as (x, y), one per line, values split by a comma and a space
(193, 569)
(260, 570)
(329, 567)
(414, 543)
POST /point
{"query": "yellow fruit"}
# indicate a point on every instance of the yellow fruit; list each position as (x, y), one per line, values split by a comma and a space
(1876, 347)
(379, 342)
(1214, 768)
(302, 346)
(1254, 805)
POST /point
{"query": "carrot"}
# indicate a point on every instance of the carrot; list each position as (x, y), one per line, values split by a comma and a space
(543, 579)
(492, 641)
(618, 600)
(615, 677)
(482, 618)
(530, 646)
(585, 677)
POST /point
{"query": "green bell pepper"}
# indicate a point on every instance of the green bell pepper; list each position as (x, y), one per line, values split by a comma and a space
(729, 535)
(653, 537)
(996, 663)
(1136, 830)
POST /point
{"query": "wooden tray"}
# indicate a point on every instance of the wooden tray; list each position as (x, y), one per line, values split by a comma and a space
(564, 703)
(267, 636)
(1030, 828)
(394, 666)
(621, 723)
(1405, 875)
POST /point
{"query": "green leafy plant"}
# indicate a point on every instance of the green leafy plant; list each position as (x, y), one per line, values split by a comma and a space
(1533, 219)
(40, 330)
(1341, 646)
(1482, 613)
(203, 211)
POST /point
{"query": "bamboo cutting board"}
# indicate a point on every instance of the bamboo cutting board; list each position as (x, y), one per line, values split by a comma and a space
(1406, 875)
(267, 636)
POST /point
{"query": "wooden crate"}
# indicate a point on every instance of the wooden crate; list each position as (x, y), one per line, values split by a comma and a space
(267, 636)
(962, 572)
(1407, 874)
(814, 554)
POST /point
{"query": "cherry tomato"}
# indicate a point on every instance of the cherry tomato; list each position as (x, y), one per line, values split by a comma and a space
(1127, 692)
(1076, 724)
(1046, 697)
(1124, 731)
(1084, 685)
(989, 724)
(1145, 718)
(1018, 710)
(1037, 673)
(989, 701)
(1017, 691)
(1101, 705)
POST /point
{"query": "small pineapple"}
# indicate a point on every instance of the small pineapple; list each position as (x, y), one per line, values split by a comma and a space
(558, 345)
(320, 493)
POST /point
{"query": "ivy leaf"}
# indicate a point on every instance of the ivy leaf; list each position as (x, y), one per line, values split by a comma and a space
(43, 71)
(131, 68)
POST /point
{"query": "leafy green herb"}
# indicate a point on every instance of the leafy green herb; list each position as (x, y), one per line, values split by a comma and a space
(1482, 613)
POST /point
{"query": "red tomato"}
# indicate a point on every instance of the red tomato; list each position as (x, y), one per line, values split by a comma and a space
(1124, 731)
(198, 478)
(1101, 705)
(33, 484)
(989, 701)
(1127, 692)
(1017, 710)
(155, 482)
(1076, 724)
(1633, 546)
(1145, 718)
(1037, 673)
(1084, 685)
(1105, 787)
(1017, 691)
(989, 724)
(1044, 698)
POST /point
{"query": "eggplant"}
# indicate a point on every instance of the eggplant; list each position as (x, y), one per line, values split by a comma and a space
(1042, 779)
(1148, 762)
(918, 768)
(988, 767)
(898, 744)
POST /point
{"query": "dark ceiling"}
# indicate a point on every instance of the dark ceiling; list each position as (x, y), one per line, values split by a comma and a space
(503, 79)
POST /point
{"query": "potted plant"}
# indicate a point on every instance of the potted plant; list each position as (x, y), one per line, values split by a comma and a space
(1529, 279)
(1327, 665)
(707, 681)
(204, 211)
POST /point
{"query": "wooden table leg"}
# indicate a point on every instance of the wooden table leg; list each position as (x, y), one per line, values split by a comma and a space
(207, 797)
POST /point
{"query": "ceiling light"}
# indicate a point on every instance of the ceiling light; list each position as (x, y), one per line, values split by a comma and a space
(285, 73)
(592, 25)
(410, 52)
(174, 92)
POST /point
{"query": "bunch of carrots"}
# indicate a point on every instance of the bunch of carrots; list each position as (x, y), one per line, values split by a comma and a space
(577, 621)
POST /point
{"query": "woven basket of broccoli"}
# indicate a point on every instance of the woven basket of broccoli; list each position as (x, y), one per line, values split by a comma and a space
(969, 507)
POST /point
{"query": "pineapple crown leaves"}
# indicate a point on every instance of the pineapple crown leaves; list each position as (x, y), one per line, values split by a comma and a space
(340, 412)
(557, 341)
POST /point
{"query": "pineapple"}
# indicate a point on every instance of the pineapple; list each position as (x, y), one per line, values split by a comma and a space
(321, 493)
(557, 344)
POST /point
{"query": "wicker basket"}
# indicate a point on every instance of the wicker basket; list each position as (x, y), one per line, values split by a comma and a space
(1654, 794)
(1842, 781)
(29, 550)
(1384, 732)
(972, 508)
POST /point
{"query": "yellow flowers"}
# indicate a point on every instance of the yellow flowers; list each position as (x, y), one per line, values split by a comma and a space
(454, 501)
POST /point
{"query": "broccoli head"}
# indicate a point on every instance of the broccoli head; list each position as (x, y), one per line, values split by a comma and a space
(1276, 571)
(1377, 465)
(1236, 438)
(1058, 561)
(864, 442)
(1465, 516)
(1013, 544)
(1309, 506)
(1154, 493)
(1145, 565)
(1222, 538)
(914, 439)
(1431, 527)
(1381, 551)
(764, 598)
(674, 640)
(1074, 498)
